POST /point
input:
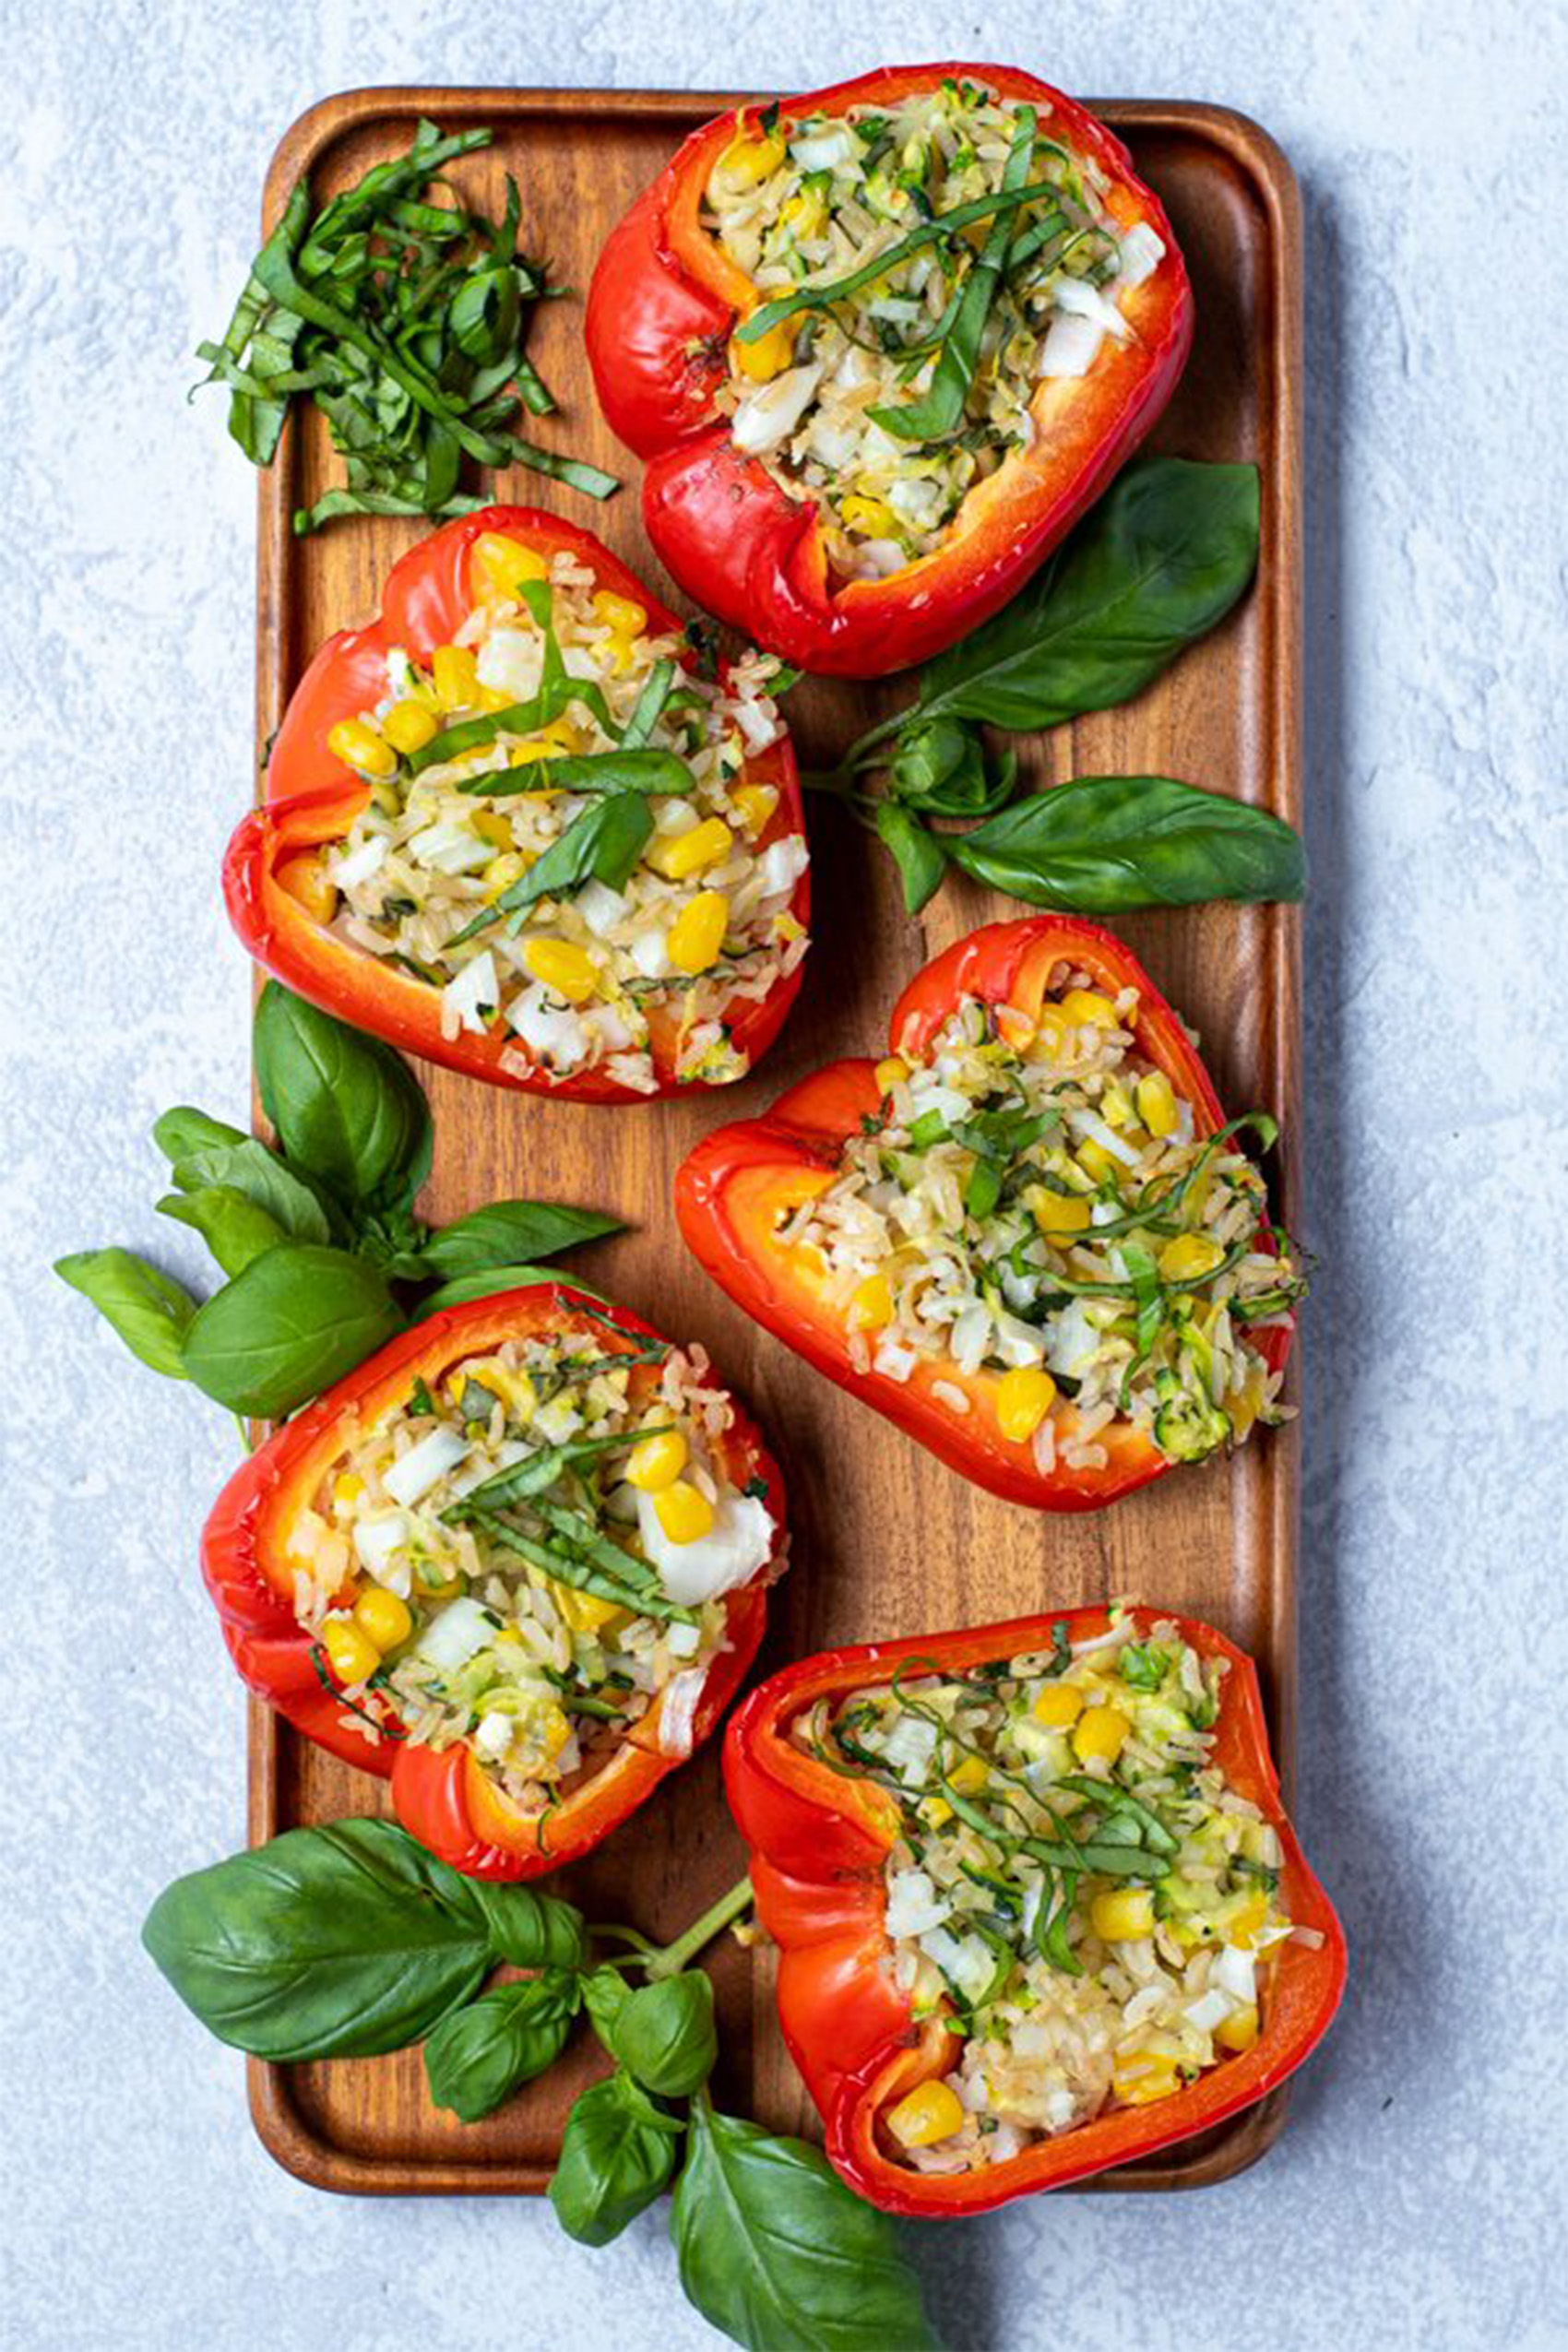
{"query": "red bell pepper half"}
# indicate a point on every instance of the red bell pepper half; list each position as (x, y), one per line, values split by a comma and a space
(445, 1797)
(820, 1843)
(663, 304)
(312, 799)
(744, 1182)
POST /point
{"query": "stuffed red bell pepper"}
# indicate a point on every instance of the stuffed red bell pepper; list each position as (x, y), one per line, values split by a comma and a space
(1039, 1909)
(881, 346)
(510, 827)
(1029, 1236)
(518, 1563)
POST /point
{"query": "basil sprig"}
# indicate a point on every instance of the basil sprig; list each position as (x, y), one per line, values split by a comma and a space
(351, 1941)
(1157, 564)
(404, 320)
(325, 1258)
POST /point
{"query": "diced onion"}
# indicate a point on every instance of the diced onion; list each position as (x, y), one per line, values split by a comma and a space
(1071, 346)
(1143, 250)
(678, 1711)
(475, 987)
(425, 1465)
(1080, 300)
(769, 415)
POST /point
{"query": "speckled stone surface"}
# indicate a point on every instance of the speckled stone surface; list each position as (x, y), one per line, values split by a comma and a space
(1417, 2196)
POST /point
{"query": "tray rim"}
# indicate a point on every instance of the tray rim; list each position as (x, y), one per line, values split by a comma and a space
(294, 2142)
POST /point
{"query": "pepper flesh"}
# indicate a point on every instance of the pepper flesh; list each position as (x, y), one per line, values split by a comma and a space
(445, 1798)
(820, 1843)
(312, 800)
(662, 304)
(742, 1181)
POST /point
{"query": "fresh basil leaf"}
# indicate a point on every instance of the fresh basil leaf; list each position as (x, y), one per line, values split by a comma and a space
(510, 1234)
(491, 1283)
(1104, 843)
(183, 1131)
(603, 844)
(658, 772)
(249, 1168)
(151, 1313)
(776, 2252)
(530, 1930)
(340, 1941)
(663, 2034)
(292, 1324)
(346, 1106)
(617, 2154)
(234, 1229)
(921, 858)
(480, 2054)
(939, 410)
(605, 1994)
(1158, 562)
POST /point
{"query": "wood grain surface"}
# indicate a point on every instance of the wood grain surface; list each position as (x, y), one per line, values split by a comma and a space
(886, 1540)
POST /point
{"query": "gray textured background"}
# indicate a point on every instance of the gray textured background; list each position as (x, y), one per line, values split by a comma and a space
(1417, 2195)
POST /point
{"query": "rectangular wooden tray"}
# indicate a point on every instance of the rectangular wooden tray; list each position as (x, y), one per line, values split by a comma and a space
(885, 1541)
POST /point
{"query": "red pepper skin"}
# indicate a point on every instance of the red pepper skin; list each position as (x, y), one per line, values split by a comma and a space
(446, 1799)
(820, 1843)
(735, 1188)
(313, 798)
(662, 304)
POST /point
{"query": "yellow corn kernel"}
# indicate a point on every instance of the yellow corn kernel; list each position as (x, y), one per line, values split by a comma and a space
(513, 1389)
(684, 1511)
(871, 1306)
(347, 1487)
(305, 879)
(1085, 1007)
(1050, 1034)
(1122, 1914)
(1024, 1396)
(555, 1731)
(1059, 1706)
(695, 938)
(351, 1654)
(1244, 1408)
(557, 741)
(499, 566)
(409, 726)
(872, 515)
(931, 2111)
(453, 672)
(1014, 1027)
(1058, 1215)
(1098, 1162)
(361, 748)
(806, 213)
(751, 157)
(754, 804)
(934, 1811)
(1189, 1256)
(492, 826)
(1100, 1733)
(657, 1461)
(1116, 1105)
(890, 1072)
(383, 1618)
(1240, 2030)
(619, 614)
(1144, 2075)
(583, 1612)
(1157, 1103)
(1243, 1928)
(502, 872)
(677, 856)
(768, 356)
(971, 1776)
(566, 970)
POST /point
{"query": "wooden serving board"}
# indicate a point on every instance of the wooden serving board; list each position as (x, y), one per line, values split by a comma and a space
(886, 1540)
